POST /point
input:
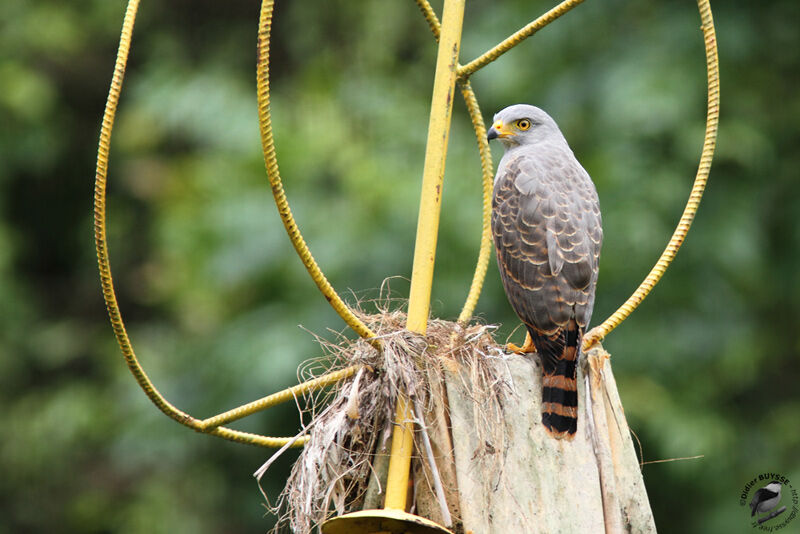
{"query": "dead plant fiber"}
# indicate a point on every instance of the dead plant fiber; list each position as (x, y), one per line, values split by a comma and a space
(342, 467)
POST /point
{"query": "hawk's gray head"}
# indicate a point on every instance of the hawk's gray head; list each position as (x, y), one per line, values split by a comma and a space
(522, 124)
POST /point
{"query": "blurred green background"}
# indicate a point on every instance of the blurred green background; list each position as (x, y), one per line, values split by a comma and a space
(213, 293)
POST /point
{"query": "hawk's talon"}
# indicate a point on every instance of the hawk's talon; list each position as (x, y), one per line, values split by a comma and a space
(526, 348)
(592, 338)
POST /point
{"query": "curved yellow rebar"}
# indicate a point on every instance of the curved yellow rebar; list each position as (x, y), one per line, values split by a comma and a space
(430, 16)
(211, 425)
(487, 171)
(467, 70)
(278, 398)
(485, 251)
(101, 175)
(271, 163)
(709, 142)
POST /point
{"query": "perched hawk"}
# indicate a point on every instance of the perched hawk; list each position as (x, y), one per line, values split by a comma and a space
(547, 233)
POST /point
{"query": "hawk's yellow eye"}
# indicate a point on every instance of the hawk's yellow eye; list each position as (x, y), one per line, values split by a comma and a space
(523, 124)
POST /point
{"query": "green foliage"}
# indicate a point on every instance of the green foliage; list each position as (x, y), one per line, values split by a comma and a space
(213, 293)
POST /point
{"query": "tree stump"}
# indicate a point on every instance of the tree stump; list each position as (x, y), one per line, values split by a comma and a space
(503, 473)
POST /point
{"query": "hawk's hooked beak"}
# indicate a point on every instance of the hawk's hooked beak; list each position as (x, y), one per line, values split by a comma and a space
(499, 130)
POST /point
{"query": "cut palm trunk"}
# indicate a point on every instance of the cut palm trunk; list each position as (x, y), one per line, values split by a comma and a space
(507, 474)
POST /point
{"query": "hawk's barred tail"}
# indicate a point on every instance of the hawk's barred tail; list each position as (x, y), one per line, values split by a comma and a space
(559, 356)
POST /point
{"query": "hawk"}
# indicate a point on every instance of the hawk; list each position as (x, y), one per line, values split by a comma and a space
(547, 233)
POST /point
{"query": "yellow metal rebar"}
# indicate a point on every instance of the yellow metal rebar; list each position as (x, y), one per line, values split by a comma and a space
(518, 37)
(273, 174)
(212, 425)
(277, 398)
(487, 179)
(427, 231)
(704, 167)
(400, 457)
(433, 171)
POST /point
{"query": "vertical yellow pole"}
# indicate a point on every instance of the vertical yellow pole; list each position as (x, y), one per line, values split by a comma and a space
(433, 171)
(427, 231)
(400, 459)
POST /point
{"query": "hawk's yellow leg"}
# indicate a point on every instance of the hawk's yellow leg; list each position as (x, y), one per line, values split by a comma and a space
(526, 348)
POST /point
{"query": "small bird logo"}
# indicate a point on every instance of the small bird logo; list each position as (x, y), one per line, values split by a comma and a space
(765, 499)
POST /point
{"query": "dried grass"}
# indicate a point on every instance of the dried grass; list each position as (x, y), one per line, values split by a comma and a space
(352, 420)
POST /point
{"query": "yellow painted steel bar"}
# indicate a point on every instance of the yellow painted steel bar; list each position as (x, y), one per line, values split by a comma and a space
(516, 38)
(433, 171)
(704, 167)
(400, 459)
(101, 242)
(273, 174)
(278, 398)
(430, 16)
(487, 175)
(107, 281)
(256, 439)
(427, 230)
(487, 179)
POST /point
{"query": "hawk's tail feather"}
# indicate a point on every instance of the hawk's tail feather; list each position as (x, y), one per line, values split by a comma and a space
(559, 355)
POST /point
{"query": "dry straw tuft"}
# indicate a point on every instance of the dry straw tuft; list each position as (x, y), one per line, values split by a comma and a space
(342, 466)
